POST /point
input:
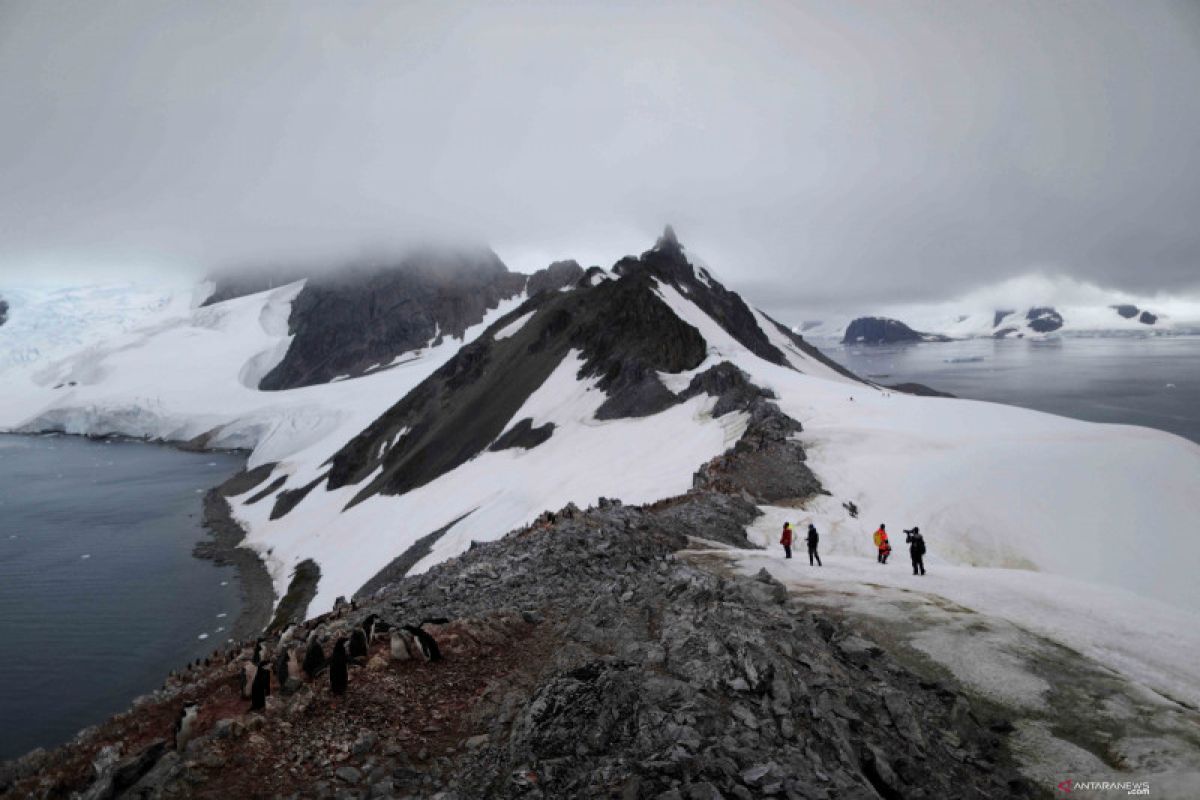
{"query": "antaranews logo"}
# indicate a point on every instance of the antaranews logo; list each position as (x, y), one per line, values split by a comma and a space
(1129, 788)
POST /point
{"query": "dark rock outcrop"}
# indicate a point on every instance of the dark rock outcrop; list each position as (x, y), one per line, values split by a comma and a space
(1146, 318)
(1043, 319)
(881, 330)
(918, 389)
(999, 317)
(524, 435)
(553, 277)
(1125, 310)
(3, 311)
(349, 321)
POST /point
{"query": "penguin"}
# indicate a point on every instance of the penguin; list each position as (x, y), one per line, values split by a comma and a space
(261, 688)
(400, 646)
(314, 658)
(427, 646)
(337, 668)
(185, 725)
(358, 645)
(375, 627)
(293, 664)
(248, 673)
(256, 659)
(281, 665)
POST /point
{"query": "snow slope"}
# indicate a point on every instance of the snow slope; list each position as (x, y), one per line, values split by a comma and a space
(990, 485)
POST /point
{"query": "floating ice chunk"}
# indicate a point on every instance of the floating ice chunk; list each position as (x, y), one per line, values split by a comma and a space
(202, 636)
(86, 556)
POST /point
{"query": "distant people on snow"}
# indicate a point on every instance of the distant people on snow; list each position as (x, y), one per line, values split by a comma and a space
(882, 544)
(814, 539)
(786, 540)
(916, 549)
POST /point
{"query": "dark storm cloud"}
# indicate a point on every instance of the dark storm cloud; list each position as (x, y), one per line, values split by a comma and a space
(812, 152)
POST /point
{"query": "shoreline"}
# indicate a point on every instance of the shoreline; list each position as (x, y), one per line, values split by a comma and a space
(223, 547)
(222, 543)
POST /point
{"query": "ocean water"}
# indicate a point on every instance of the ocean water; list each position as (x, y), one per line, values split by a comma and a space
(1150, 381)
(100, 596)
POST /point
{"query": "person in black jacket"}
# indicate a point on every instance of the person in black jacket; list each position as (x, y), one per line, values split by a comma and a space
(916, 549)
(813, 539)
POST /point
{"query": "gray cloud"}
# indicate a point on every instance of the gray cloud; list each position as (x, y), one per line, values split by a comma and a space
(815, 153)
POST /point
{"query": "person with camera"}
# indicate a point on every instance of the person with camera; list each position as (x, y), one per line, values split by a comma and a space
(916, 549)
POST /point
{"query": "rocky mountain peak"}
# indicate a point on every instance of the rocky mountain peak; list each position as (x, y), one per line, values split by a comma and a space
(668, 240)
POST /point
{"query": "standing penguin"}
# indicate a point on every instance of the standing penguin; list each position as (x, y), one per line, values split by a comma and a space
(281, 664)
(337, 668)
(185, 725)
(314, 658)
(293, 664)
(426, 644)
(400, 645)
(358, 646)
(248, 674)
(261, 688)
(374, 627)
(256, 659)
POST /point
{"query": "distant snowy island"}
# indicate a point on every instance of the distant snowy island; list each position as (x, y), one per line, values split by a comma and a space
(1033, 307)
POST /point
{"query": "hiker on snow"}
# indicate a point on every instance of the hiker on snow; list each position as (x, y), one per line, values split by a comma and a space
(786, 540)
(916, 549)
(813, 539)
(881, 542)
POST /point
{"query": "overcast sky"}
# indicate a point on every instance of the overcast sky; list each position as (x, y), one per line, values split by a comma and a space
(815, 153)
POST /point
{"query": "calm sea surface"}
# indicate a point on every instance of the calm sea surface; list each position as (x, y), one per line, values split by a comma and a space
(1138, 381)
(100, 596)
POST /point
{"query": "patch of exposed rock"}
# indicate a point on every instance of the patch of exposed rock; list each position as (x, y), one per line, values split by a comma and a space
(349, 321)
(558, 275)
(1044, 319)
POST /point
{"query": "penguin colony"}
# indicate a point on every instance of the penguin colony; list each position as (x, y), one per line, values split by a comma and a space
(296, 658)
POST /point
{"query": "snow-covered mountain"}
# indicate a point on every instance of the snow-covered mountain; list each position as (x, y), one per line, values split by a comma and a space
(1029, 307)
(459, 422)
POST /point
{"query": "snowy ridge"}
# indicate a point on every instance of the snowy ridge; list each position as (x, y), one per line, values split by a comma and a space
(992, 486)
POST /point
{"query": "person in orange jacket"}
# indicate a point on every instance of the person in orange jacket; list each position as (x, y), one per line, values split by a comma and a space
(786, 540)
(881, 542)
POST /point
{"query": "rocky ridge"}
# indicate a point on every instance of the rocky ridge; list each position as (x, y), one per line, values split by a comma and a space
(581, 657)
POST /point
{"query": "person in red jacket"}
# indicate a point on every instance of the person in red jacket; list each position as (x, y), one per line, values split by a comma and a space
(881, 542)
(786, 540)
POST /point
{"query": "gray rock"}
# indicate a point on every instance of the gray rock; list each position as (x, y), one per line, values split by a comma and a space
(351, 775)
